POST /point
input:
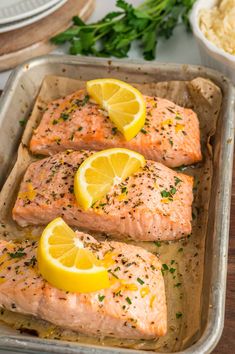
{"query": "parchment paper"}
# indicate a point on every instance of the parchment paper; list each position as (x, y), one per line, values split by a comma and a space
(184, 259)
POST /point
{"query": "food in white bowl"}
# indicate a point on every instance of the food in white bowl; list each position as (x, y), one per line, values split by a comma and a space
(213, 24)
(218, 25)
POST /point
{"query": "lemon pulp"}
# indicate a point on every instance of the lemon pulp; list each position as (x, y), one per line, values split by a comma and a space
(124, 103)
(99, 172)
(65, 263)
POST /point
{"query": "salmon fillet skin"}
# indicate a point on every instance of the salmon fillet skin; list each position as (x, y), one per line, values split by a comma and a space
(171, 133)
(153, 204)
(133, 307)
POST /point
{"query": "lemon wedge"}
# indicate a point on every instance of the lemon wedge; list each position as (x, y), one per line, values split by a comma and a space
(124, 103)
(99, 172)
(66, 264)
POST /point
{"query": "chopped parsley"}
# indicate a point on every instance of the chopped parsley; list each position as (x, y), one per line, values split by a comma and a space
(101, 297)
(128, 300)
(102, 204)
(178, 117)
(168, 194)
(165, 267)
(177, 285)
(22, 122)
(178, 314)
(31, 262)
(64, 116)
(55, 121)
(18, 254)
(177, 180)
(157, 243)
(114, 275)
(124, 190)
(143, 131)
(85, 100)
(140, 281)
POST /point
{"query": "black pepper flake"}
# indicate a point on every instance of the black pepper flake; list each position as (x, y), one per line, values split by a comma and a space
(114, 130)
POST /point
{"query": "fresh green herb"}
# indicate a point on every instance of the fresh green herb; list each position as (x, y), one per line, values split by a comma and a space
(116, 269)
(177, 180)
(114, 275)
(172, 270)
(128, 300)
(140, 281)
(168, 194)
(180, 249)
(85, 100)
(64, 116)
(114, 34)
(124, 189)
(178, 117)
(31, 262)
(143, 131)
(157, 243)
(102, 204)
(22, 122)
(165, 267)
(177, 285)
(18, 254)
(55, 121)
(171, 142)
(165, 194)
(172, 261)
(101, 297)
(178, 314)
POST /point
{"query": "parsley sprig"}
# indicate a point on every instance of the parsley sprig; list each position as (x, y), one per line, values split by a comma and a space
(114, 34)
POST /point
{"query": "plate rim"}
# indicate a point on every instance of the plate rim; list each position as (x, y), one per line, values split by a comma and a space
(28, 14)
(30, 20)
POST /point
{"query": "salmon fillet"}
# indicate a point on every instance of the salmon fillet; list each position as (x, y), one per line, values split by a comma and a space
(133, 307)
(171, 133)
(153, 204)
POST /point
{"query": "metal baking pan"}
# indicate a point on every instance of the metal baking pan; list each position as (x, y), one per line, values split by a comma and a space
(16, 103)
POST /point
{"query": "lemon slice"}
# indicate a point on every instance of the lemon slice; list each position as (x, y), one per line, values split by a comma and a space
(65, 263)
(125, 104)
(99, 172)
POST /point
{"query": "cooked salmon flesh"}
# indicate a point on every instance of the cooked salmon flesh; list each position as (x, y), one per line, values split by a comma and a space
(171, 133)
(153, 204)
(133, 307)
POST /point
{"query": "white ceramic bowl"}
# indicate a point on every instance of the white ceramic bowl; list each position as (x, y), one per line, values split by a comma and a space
(211, 55)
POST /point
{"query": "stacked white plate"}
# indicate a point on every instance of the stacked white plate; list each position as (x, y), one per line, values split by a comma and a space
(15, 14)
